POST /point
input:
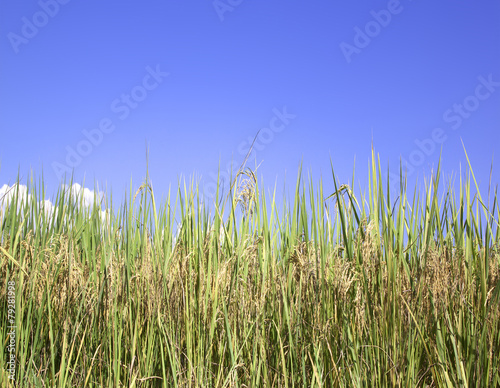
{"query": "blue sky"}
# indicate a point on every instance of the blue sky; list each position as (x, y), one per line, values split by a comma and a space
(85, 86)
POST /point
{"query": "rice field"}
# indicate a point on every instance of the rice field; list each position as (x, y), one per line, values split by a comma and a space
(326, 289)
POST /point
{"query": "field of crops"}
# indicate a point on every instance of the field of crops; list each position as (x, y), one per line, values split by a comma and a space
(323, 290)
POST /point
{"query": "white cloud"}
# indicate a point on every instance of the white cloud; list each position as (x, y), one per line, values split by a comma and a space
(8, 192)
(84, 195)
(48, 208)
(81, 196)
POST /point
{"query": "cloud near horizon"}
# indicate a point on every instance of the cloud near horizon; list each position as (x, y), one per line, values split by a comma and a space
(80, 195)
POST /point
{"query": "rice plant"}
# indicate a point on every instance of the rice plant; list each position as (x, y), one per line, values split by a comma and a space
(323, 290)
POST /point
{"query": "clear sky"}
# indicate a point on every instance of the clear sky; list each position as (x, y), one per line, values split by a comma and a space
(86, 85)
